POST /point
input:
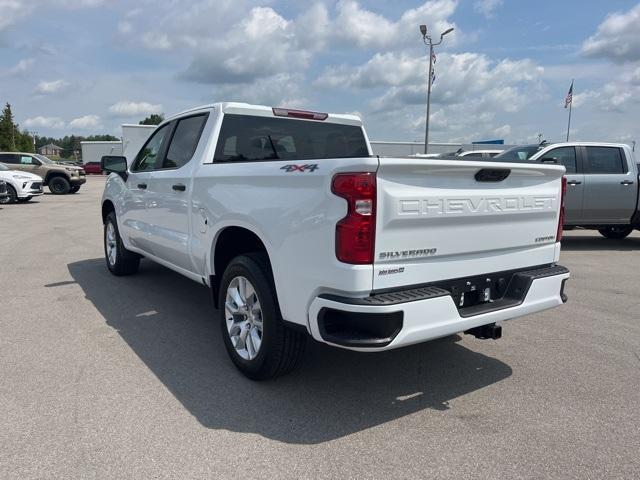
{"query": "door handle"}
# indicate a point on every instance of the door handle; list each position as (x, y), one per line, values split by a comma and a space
(573, 182)
(626, 182)
(178, 187)
(142, 185)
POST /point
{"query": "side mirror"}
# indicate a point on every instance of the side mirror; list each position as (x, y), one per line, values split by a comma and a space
(114, 164)
(549, 160)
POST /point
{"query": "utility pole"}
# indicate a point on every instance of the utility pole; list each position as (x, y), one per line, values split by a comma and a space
(427, 41)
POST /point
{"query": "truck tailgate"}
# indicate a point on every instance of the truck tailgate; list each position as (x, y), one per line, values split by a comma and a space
(442, 219)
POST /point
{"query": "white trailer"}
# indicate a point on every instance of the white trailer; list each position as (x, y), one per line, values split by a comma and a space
(94, 151)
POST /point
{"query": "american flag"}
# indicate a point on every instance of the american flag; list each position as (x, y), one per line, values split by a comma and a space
(569, 99)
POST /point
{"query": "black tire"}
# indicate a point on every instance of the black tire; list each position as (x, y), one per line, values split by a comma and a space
(616, 232)
(59, 186)
(74, 189)
(13, 196)
(281, 348)
(125, 261)
(24, 199)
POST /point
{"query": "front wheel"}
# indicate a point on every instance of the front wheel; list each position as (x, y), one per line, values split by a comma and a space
(255, 336)
(12, 195)
(59, 186)
(120, 261)
(616, 231)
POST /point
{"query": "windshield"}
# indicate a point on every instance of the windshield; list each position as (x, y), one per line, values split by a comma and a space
(518, 154)
(3, 167)
(43, 159)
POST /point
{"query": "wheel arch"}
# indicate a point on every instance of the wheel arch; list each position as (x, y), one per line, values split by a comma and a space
(230, 242)
(54, 174)
(107, 208)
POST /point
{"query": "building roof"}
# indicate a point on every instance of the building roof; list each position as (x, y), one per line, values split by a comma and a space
(52, 145)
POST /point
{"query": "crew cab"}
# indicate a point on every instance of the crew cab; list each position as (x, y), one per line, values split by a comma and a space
(602, 183)
(299, 230)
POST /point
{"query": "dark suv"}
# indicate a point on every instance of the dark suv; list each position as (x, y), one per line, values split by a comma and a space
(60, 179)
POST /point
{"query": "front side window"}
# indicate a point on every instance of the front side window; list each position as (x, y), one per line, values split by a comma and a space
(146, 159)
(27, 160)
(184, 141)
(565, 156)
(604, 160)
(253, 138)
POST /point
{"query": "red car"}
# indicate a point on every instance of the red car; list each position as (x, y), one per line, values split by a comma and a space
(92, 167)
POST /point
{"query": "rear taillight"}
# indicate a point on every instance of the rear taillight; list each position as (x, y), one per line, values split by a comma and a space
(356, 232)
(561, 216)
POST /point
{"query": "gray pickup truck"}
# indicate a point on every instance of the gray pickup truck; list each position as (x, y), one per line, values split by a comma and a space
(602, 183)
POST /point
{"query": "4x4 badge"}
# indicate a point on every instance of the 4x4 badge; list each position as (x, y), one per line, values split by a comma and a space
(309, 167)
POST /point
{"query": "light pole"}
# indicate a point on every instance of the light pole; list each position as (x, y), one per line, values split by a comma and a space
(427, 41)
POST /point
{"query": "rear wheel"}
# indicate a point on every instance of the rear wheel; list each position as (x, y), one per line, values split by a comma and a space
(255, 336)
(120, 261)
(59, 186)
(616, 231)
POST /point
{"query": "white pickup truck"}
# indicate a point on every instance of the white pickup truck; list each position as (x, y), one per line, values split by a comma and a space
(298, 229)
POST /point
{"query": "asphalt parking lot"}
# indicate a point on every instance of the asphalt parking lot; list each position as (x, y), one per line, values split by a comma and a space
(104, 377)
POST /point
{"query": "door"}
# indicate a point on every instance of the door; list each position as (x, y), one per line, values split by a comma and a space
(610, 188)
(170, 190)
(134, 224)
(27, 163)
(573, 201)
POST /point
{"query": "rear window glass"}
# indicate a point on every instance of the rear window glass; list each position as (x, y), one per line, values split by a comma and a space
(251, 138)
(604, 160)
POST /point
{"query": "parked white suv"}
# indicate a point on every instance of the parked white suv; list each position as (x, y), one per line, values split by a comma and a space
(300, 230)
(21, 186)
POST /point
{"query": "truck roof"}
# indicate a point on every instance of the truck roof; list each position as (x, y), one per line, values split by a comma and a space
(265, 111)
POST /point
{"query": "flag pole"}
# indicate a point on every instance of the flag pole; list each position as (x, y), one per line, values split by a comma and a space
(570, 105)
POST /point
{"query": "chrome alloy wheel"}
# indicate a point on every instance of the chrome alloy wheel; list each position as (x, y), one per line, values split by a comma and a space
(111, 244)
(243, 315)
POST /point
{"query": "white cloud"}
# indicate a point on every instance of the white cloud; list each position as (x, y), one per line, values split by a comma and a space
(487, 7)
(12, 11)
(54, 123)
(20, 67)
(367, 29)
(617, 37)
(53, 86)
(503, 131)
(131, 109)
(86, 122)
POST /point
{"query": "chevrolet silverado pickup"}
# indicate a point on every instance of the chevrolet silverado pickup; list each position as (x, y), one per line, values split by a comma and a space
(602, 183)
(299, 230)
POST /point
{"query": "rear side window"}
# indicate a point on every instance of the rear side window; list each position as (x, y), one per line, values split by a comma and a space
(8, 158)
(476, 154)
(566, 156)
(184, 141)
(604, 160)
(250, 138)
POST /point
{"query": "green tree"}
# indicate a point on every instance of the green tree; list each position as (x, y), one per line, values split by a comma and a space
(7, 129)
(153, 119)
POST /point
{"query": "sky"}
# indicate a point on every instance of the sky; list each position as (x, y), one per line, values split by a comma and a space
(87, 66)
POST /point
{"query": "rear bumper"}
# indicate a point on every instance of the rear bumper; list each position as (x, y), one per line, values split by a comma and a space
(395, 319)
